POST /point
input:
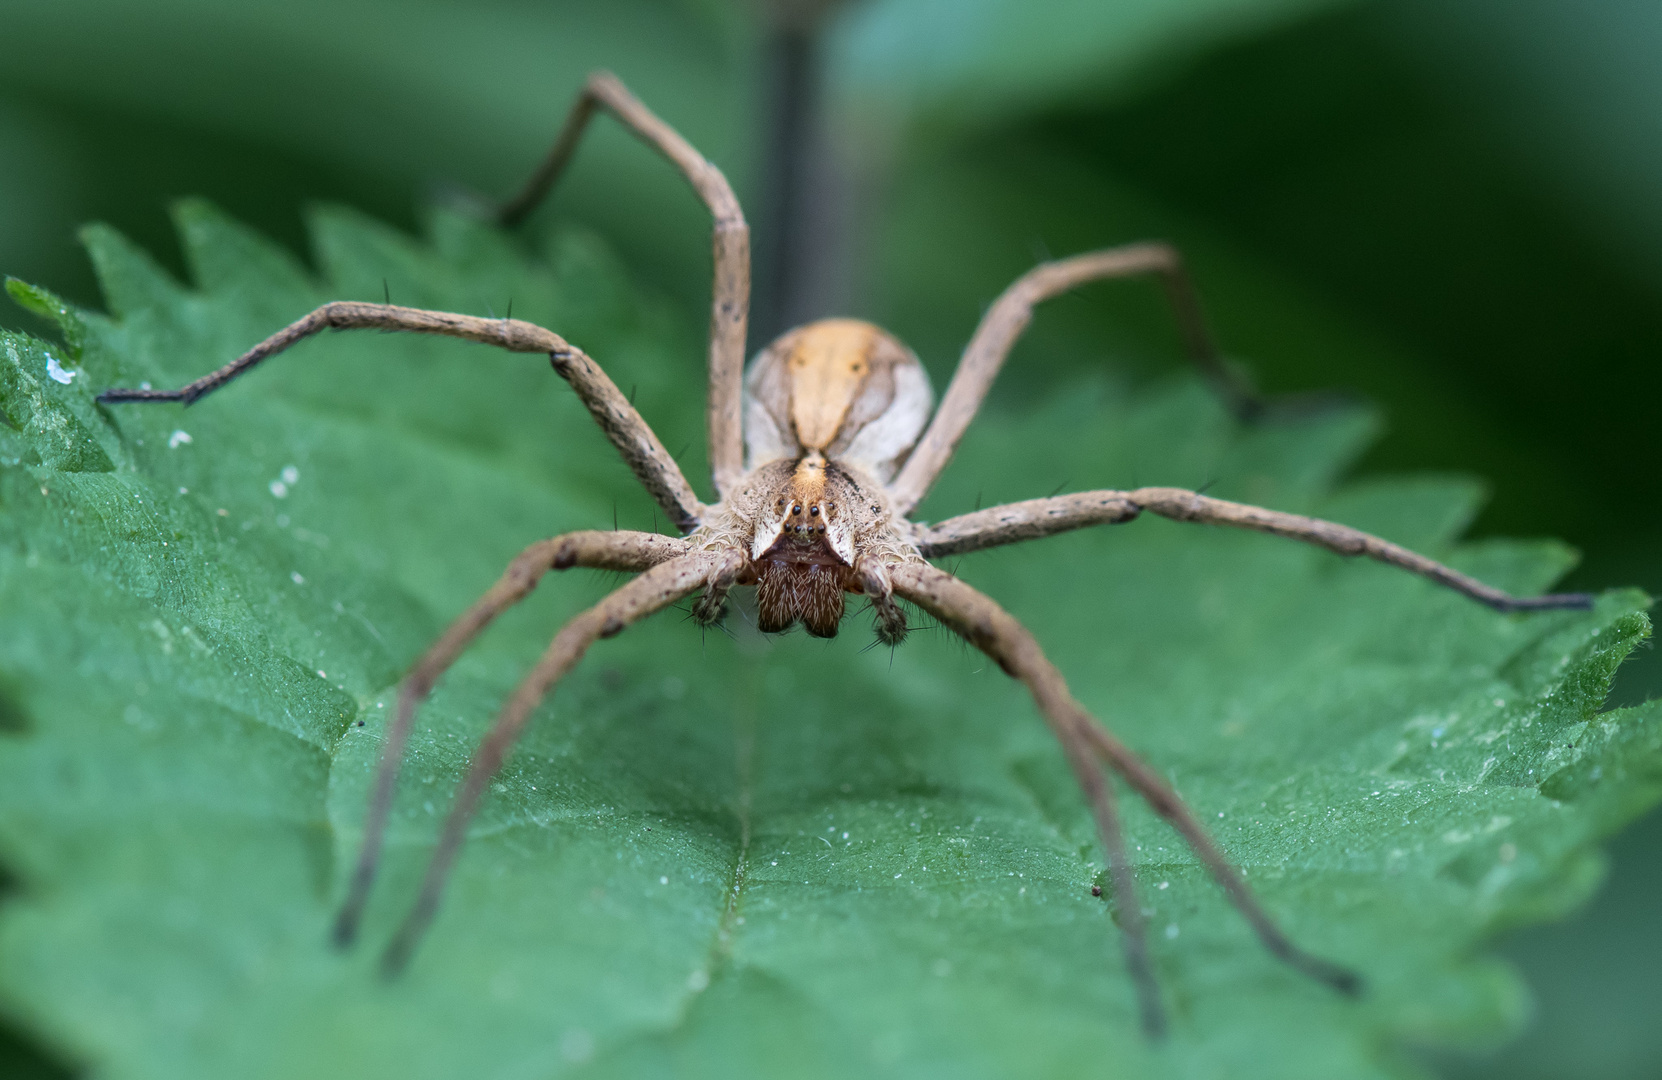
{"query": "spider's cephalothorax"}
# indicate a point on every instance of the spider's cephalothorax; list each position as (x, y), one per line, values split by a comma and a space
(830, 409)
(838, 447)
(801, 544)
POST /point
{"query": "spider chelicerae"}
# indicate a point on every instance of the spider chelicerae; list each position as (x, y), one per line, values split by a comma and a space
(820, 452)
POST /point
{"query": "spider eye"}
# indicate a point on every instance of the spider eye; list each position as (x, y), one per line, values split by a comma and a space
(796, 509)
(814, 510)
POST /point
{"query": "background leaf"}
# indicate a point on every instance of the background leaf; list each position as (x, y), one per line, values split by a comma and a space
(978, 62)
(772, 857)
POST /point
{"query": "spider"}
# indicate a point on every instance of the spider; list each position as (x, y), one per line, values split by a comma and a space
(820, 452)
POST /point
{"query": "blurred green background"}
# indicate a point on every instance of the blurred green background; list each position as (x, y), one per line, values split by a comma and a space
(1448, 209)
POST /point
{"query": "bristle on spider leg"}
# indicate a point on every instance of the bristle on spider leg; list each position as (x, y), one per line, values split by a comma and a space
(891, 621)
(710, 609)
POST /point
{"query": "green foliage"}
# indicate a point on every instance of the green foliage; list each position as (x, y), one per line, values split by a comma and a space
(974, 62)
(727, 856)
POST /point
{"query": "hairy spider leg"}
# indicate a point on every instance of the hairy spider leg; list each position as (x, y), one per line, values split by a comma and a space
(1099, 794)
(656, 588)
(1009, 316)
(645, 455)
(730, 243)
(1169, 805)
(874, 581)
(1034, 518)
(622, 550)
(984, 624)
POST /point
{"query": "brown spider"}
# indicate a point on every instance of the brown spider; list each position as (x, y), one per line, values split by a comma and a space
(836, 447)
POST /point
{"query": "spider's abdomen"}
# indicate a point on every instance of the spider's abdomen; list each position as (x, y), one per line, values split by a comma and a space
(838, 387)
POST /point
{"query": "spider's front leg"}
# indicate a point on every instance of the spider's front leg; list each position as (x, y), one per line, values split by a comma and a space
(619, 550)
(1035, 518)
(640, 447)
(987, 626)
(654, 590)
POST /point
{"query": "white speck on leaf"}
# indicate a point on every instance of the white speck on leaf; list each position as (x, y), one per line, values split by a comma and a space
(290, 474)
(279, 489)
(698, 981)
(55, 369)
(296, 578)
(665, 879)
(179, 438)
(577, 1046)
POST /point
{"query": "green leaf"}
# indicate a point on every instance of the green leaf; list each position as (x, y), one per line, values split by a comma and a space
(981, 61)
(713, 855)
